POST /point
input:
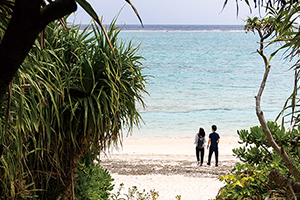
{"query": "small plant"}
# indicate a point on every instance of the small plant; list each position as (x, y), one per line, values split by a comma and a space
(134, 194)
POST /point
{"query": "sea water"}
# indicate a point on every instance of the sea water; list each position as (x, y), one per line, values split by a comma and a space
(205, 75)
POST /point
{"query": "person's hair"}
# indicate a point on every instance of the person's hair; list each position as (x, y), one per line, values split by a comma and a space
(214, 127)
(201, 132)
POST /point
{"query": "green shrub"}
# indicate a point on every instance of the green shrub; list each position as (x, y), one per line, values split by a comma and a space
(249, 179)
(93, 182)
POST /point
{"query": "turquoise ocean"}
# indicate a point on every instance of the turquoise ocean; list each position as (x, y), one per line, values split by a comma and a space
(205, 75)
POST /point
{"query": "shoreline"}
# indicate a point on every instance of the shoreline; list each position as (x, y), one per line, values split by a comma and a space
(168, 165)
(170, 145)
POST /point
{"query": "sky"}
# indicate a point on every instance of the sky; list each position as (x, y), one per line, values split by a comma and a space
(198, 12)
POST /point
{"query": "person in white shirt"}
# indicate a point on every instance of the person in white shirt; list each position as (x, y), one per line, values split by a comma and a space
(200, 144)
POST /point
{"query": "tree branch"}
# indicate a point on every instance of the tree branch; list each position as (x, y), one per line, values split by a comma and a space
(288, 162)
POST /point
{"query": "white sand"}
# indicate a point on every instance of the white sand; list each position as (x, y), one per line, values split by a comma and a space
(171, 185)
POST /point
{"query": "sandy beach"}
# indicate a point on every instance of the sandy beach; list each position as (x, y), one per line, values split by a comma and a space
(168, 165)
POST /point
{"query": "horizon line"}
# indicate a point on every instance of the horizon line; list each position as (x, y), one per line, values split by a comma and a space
(172, 24)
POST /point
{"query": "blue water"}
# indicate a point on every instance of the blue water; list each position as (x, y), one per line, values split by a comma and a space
(183, 28)
(205, 75)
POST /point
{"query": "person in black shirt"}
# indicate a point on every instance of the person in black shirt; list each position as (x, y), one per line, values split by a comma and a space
(213, 142)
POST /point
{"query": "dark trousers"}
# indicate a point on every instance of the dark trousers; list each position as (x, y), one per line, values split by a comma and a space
(211, 150)
(201, 150)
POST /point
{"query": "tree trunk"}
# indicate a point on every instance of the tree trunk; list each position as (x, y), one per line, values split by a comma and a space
(280, 151)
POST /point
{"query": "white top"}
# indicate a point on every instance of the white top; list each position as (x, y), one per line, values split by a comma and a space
(196, 141)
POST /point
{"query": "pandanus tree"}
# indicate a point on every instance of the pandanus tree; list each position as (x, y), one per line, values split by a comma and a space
(68, 98)
(74, 93)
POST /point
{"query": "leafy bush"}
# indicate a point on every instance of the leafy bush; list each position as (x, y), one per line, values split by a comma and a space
(93, 182)
(245, 182)
(249, 180)
(256, 149)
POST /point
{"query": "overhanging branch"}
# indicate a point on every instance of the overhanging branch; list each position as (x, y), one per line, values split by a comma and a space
(57, 9)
